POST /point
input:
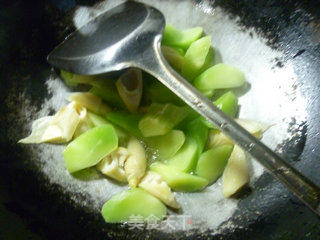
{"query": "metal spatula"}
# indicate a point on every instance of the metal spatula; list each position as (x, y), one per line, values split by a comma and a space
(129, 35)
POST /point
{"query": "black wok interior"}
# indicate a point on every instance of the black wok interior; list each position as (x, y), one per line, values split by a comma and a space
(32, 208)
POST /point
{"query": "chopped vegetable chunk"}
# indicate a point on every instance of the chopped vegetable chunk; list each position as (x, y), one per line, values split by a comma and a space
(174, 58)
(220, 76)
(182, 39)
(236, 173)
(136, 164)
(106, 89)
(125, 120)
(177, 180)
(89, 101)
(98, 121)
(195, 58)
(58, 128)
(153, 183)
(217, 138)
(228, 103)
(73, 80)
(212, 162)
(113, 164)
(84, 125)
(129, 86)
(161, 118)
(166, 145)
(133, 202)
(90, 148)
(196, 136)
(156, 92)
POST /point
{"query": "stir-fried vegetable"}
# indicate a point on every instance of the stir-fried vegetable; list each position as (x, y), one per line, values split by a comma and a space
(125, 120)
(153, 183)
(228, 103)
(133, 202)
(90, 148)
(196, 136)
(58, 128)
(158, 93)
(195, 58)
(174, 57)
(129, 86)
(73, 80)
(118, 121)
(136, 164)
(84, 125)
(113, 164)
(217, 138)
(212, 162)
(106, 89)
(182, 39)
(220, 76)
(89, 101)
(161, 118)
(177, 180)
(166, 145)
(236, 173)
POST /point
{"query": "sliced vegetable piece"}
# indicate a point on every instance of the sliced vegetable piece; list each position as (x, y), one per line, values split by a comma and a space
(182, 39)
(208, 62)
(106, 89)
(153, 183)
(84, 125)
(220, 76)
(58, 128)
(212, 162)
(186, 158)
(64, 123)
(195, 58)
(192, 115)
(166, 145)
(98, 121)
(90, 147)
(228, 103)
(236, 173)
(73, 80)
(129, 87)
(113, 164)
(255, 128)
(136, 164)
(217, 138)
(173, 57)
(198, 131)
(133, 202)
(177, 180)
(161, 118)
(39, 127)
(125, 120)
(89, 101)
(181, 51)
(158, 93)
(207, 93)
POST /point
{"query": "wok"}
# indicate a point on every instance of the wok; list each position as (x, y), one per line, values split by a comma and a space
(276, 44)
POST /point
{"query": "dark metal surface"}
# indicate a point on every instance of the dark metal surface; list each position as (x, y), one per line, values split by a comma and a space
(264, 213)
